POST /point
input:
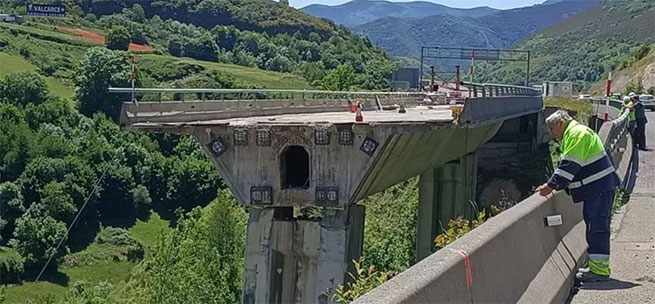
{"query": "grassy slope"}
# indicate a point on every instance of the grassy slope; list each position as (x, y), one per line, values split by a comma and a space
(57, 286)
(148, 232)
(246, 75)
(71, 45)
(13, 64)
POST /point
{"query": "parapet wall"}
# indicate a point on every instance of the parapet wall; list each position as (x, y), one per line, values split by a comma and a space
(514, 257)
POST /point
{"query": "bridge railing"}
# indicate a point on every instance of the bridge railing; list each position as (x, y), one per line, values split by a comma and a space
(497, 90)
(173, 94)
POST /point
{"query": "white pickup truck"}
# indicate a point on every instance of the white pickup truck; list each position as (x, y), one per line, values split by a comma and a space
(648, 101)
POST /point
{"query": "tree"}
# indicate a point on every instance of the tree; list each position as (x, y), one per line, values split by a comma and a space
(102, 68)
(226, 36)
(118, 38)
(641, 52)
(190, 183)
(200, 261)
(11, 207)
(279, 63)
(23, 88)
(57, 202)
(340, 79)
(313, 71)
(138, 14)
(36, 237)
(636, 87)
(15, 140)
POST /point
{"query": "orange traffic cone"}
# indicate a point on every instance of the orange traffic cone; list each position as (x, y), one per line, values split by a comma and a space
(353, 107)
(358, 116)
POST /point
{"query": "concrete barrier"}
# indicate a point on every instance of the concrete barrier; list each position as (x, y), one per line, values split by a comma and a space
(514, 257)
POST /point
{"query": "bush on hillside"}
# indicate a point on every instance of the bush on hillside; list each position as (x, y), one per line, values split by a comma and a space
(118, 38)
(115, 236)
(23, 88)
(36, 238)
(11, 267)
(641, 52)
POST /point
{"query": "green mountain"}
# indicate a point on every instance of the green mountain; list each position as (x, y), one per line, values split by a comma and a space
(254, 15)
(358, 12)
(404, 37)
(585, 47)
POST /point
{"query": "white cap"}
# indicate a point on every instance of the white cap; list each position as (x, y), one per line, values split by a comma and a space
(632, 94)
(626, 98)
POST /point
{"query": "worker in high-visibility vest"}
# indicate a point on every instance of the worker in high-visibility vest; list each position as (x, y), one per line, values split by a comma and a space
(628, 105)
(640, 129)
(587, 171)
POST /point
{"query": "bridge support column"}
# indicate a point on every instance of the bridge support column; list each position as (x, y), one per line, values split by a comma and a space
(294, 260)
(444, 194)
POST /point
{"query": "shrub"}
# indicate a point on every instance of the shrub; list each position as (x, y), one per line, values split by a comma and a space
(23, 88)
(11, 268)
(118, 38)
(90, 17)
(364, 280)
(116, 236)
(135, 253)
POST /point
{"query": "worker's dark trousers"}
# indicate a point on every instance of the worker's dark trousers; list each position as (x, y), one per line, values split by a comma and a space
(640, 135)
(596, 211)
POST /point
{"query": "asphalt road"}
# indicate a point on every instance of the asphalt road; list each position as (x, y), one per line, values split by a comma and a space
(632, 257)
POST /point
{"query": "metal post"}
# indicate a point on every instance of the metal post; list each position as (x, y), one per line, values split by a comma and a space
(431, 78)
(458, 78)
(527, 78)
(420, 77)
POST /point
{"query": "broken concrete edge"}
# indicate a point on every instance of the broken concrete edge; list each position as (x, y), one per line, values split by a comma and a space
(485, 110)
(507, 255)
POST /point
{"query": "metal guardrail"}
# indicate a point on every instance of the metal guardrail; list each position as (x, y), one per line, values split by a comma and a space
(157, 94)
(254, 94)
(497, 90)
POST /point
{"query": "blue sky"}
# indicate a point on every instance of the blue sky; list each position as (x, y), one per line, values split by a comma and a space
(500, 4)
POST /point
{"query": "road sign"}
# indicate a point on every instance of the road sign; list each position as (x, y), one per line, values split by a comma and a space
(46, 10)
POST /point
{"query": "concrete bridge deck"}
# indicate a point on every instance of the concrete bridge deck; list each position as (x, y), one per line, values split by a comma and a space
(418, 114)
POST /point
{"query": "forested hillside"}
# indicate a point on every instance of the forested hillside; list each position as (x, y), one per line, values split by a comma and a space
(585, 47)
(251, 33)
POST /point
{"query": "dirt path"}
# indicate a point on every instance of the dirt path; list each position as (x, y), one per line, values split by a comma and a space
(94, 37)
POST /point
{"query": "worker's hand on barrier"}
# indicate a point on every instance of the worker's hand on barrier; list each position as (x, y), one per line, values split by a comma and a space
(544, 190)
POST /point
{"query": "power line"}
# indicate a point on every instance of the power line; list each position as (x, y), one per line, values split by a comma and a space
(93, 190)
